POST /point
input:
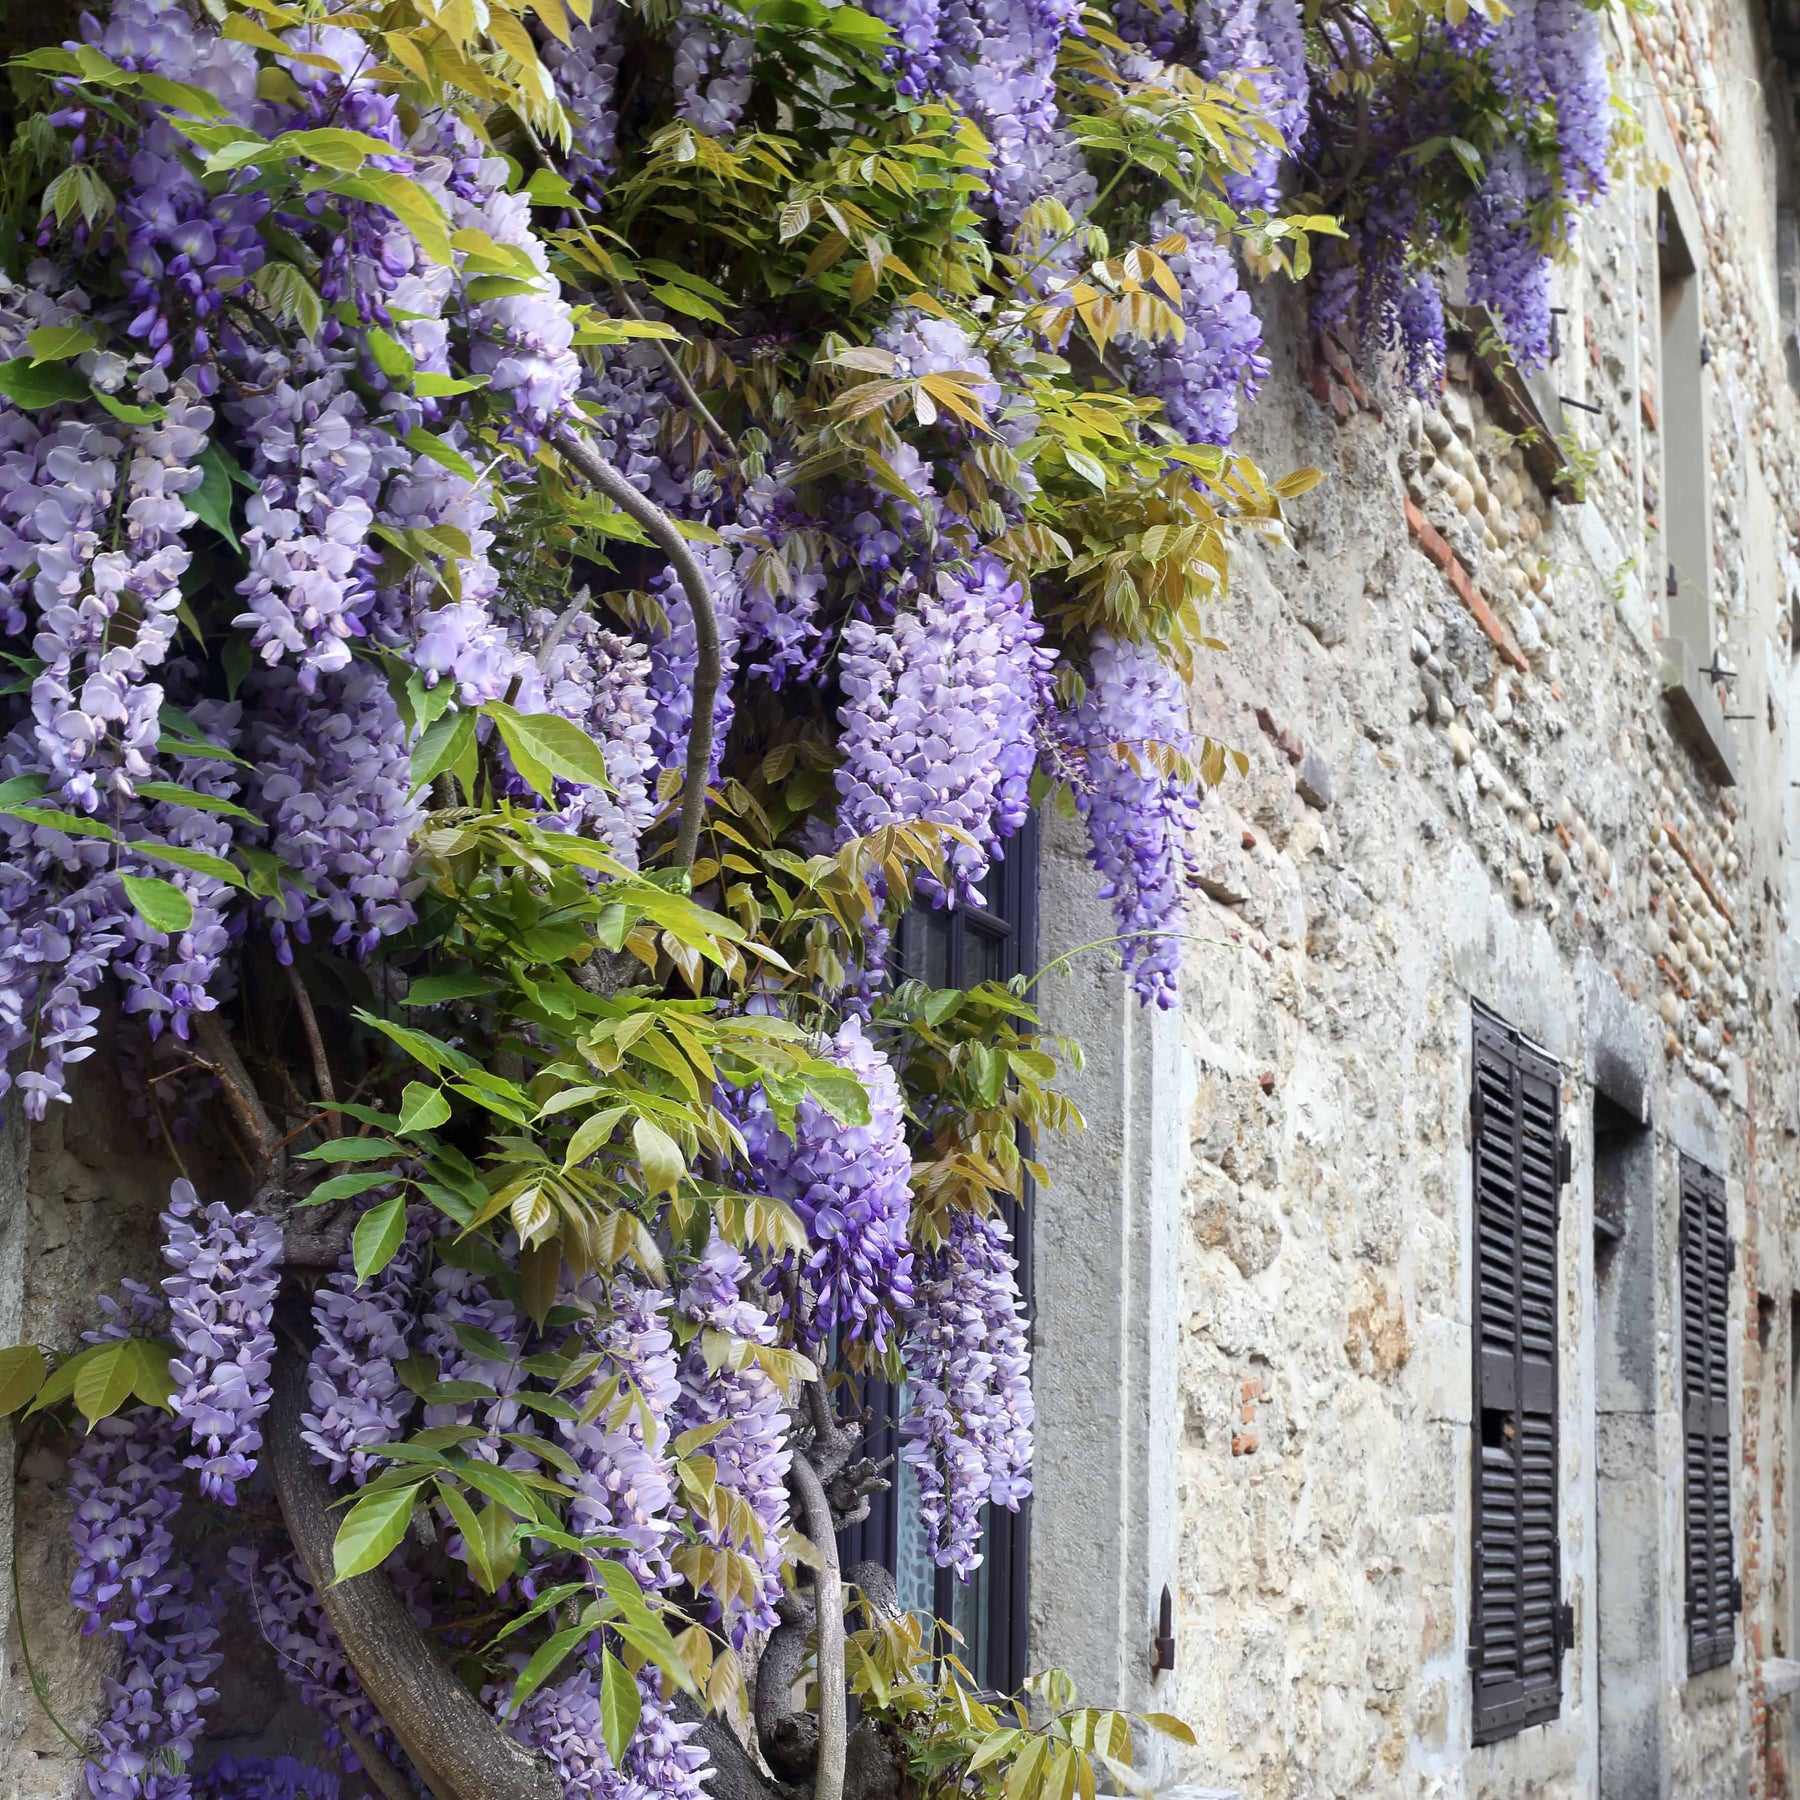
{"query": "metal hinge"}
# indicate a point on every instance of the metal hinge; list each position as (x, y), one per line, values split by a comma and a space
(1477, 1108)
(1475, 1657)
(1565, 1627)
(1731, 1257)
(1737, 1594)
(1565, 1163)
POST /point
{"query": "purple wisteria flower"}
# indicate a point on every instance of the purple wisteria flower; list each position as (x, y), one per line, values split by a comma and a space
(850, 1184)
(563, 1721)
(751, 1454)
(124, 1492)
(626, 1487)
(714, 52)
(1572, 60)
(221, 1301)
(355, 1393)
(264, 1778)
(940, 716)
(968, 1367)
(1138, 816)
(1508, 271)
(1201, 377)
(292, 1622)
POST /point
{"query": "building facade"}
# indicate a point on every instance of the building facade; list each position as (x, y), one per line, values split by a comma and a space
(1421, 1311)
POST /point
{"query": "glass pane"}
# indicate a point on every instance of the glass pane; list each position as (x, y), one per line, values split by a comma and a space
(984, 955)
(914, 1574)
(933, 946)
(969, 1609)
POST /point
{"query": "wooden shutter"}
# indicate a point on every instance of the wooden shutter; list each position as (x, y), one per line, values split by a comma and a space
(1519, 1627)
(1706, 1263)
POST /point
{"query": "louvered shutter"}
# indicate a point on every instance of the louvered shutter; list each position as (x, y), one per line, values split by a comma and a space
(1706, 1262)
(1519, 1627)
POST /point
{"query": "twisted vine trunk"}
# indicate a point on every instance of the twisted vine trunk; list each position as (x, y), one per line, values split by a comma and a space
(452, 1741)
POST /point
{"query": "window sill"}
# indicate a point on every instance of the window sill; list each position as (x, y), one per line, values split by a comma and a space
(1696, 710)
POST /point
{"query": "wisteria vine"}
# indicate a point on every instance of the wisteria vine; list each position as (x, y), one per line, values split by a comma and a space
(388, 465)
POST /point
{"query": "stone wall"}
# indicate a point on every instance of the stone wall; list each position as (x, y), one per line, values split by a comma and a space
(1470, 781)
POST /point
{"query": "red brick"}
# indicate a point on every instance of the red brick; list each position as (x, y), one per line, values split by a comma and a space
(1429, 539)
(1490, 622)
(1647, 401)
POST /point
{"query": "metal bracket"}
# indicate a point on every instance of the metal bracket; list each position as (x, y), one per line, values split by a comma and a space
(1162, 1646)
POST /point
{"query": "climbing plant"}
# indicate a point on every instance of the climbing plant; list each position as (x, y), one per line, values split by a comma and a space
(532, 536)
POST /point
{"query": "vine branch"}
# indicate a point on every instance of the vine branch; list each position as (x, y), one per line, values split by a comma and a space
(240, 1091)
(611, 482)
(828, 1592)
(315, 1039)
(458, 1748)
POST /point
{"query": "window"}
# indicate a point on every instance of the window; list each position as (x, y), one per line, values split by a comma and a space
(1681, 419)
(960, 947)
(1707, 1259)
(1520, 1626)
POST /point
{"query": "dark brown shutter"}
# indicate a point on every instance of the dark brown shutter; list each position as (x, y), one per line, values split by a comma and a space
(1519, 1629)
(1706, 1260)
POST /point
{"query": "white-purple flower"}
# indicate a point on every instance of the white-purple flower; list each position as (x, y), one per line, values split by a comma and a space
(221, 1302)
(968, 1367)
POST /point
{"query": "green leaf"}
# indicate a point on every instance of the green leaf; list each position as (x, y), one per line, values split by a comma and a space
(293, 300)
(378, 1236)
(351, 1149)
(1169, 1726)
(474, 1541)
(681, 301)
(22, 788)
(499, 287)
(54, 819)
(57, 343)
(106, 1379)
(545, 1661)
(22, 1372)
(171, 793)
(428, 443)
(33, 385)
(434, 990)
(79, 190)
(620, 1705)
(128, 414)
(180, 857)
(593, 1132)
(160, 904)
(347, 1185)
(392, 357)
(660, 1156)
(210, 502)
(441, 744)
(408, 202)
(429, 385)
(544, 745)
(422, 1108)
(152, 1382)
(372, 1530)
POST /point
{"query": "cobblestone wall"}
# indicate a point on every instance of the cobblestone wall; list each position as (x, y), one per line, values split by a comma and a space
(1470, 781)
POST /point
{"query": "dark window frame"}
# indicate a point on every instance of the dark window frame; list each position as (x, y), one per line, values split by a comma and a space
(1708, 1260)
(1007, 927)
(1519, 1624)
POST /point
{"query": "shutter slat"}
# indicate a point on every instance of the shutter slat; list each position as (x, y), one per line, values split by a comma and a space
(1514, 1633)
